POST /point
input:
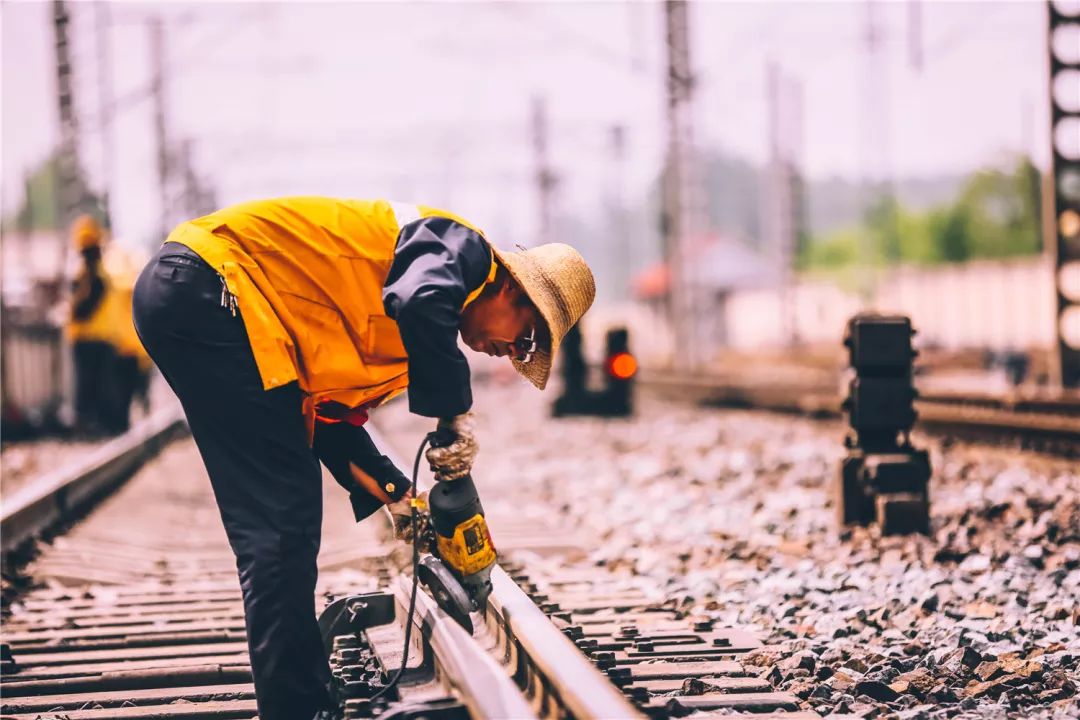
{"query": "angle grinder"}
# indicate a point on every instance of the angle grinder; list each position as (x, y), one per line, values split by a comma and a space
(458, 572)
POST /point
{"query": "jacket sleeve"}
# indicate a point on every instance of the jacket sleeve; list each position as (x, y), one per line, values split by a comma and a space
(437, 263)
(339, 444)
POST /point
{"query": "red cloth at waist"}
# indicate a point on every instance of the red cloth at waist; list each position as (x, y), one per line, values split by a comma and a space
(335, 412)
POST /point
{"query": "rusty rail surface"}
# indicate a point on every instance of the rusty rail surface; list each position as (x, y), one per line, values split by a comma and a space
(57, 497)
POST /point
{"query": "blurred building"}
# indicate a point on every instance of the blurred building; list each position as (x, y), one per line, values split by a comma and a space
(720, 267)
(985, 305)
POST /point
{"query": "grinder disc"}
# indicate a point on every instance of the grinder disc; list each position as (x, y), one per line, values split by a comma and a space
(449, 595)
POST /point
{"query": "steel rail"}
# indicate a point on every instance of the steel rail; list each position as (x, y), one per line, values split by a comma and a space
(534, 656)
(937, 411)
(62, 495)
(485, 687)
(548, 655)
(1066, 427)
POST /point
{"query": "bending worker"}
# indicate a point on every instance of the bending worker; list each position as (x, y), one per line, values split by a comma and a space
(280, 324)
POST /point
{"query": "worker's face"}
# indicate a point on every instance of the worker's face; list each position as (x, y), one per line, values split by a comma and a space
(496, 324)
(92, 255)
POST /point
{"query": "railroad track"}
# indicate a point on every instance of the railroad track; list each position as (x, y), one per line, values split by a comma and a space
(60, 497)
(1043, 423)
(136, 613)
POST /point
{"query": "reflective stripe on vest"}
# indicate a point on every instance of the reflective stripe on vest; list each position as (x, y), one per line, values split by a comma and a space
(404, 213)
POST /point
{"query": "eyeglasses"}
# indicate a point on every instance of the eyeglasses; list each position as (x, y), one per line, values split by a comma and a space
(525, 347)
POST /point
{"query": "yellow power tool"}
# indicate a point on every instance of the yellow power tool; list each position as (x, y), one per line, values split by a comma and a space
(458, 573)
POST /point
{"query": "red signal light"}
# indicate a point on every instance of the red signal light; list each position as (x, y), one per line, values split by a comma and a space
(622, 366)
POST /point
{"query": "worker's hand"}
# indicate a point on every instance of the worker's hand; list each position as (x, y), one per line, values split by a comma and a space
(401, 518)
(454, 459)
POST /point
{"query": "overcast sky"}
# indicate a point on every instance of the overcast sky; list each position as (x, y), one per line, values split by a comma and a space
(430, 101)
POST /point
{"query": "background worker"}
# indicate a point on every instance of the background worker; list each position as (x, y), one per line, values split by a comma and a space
(280, 324)
(90, 330)
(131, 365)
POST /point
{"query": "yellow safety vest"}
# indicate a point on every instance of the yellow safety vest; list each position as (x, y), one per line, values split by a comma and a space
(123, 270)
(125, 338)
(99, 327)
(308, 275)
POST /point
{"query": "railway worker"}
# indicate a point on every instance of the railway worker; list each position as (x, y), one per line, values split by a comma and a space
(132, 366)
(91, 329)
(280, 324)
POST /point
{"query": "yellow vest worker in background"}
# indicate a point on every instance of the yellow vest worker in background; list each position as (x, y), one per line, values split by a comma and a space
(280, 324)
(132, 365)
(91, 331)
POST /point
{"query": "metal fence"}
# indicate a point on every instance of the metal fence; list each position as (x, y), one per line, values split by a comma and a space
(36, 380)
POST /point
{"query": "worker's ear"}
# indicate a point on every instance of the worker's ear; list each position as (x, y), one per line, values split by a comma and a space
(508, 289)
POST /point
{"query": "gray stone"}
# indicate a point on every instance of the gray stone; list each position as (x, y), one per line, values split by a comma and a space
(876, 690)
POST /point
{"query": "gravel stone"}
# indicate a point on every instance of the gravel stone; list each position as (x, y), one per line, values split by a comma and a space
(877, 690)
(732, 511)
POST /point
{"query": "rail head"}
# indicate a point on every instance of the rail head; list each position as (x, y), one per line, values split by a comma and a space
(483, 684)
(581, 688)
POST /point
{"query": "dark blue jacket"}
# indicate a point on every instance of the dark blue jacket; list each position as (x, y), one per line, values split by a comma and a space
(437, 263)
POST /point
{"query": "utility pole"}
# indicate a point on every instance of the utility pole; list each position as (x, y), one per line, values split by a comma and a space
(800, 223)
(545, 176)
(102, 23)
(189, 195)
(1063, 202)
(874, 121)
(621, 247)
(683, 195)
(156, 30)
(784, 218)
(197, 199)
(915, 35)
(70, 191)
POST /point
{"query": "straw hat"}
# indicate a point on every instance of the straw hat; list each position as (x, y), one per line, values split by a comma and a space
(561, 286)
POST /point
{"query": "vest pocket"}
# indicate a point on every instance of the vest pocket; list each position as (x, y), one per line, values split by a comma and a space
(383, 343)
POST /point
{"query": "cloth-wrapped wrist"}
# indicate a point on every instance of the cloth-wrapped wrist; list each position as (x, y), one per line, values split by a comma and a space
(453, 457)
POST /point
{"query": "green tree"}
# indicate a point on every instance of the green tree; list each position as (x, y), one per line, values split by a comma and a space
(41, 202)
(836, 251)
(950, 229)
(996, 215)
(918, 245)
(883, 227)
(1002, 212)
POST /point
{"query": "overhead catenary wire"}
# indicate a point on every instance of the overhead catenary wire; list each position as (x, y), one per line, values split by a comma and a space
(188, 59)
(569, 36)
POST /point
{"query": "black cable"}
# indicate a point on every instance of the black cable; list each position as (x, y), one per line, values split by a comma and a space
(416, 575)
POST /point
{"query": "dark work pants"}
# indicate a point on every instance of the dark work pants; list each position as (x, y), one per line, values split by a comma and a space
(126, 377)
(93, 386)
(266, 479)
